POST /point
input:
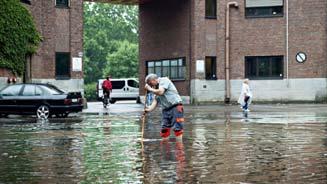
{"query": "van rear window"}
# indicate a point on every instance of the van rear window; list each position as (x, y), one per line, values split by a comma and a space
(118, 84)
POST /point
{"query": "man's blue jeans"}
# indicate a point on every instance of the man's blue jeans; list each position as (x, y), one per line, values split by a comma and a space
(246, 100)
(172, 118)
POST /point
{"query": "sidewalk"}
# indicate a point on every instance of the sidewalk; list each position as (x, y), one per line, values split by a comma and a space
(268, 107)
(130, 107)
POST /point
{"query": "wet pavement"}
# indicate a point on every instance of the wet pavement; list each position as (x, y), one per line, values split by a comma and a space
(270, 144)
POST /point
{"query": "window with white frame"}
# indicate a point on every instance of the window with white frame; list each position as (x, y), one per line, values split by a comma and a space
(263, 8)
(172, 68)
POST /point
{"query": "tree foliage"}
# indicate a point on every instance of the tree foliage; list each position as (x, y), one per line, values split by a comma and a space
(123, 62)
(18, 35)
(106, 28)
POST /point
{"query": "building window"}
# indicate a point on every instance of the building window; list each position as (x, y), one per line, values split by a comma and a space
(172, 68)
(211, 68)
(211, 9)
(62, 3)
(62, 65)
(264, 8)
(26, 1)
(264, 67)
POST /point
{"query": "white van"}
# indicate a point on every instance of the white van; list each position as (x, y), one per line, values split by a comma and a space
(122, 89)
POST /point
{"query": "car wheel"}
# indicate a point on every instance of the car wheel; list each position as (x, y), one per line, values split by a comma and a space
(112, 101)
(43, 112)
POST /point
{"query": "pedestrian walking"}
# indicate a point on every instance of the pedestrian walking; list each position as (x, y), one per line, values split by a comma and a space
(245, 96)
(167, 96)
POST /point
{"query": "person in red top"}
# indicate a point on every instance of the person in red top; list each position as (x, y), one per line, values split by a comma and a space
(107, 88)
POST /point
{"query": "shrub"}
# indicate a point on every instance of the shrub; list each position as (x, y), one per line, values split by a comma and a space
(90, 92)
(18, 36)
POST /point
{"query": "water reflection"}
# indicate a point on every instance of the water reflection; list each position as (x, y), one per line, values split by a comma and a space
(165, 161)
(218, 147)
(111, 151)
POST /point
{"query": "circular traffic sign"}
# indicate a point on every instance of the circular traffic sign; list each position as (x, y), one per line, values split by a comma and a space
(301, 57)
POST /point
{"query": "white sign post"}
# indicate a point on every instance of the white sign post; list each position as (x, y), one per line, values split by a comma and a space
(77, 64)
(199, 66)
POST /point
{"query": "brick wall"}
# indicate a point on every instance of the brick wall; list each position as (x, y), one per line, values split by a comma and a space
(76, 32)
(43, 65)
(308, 33)
(62, 31)
(164, 34)
(263, 37)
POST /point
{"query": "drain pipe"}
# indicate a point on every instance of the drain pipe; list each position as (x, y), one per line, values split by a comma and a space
(287, 45)
(227, 76)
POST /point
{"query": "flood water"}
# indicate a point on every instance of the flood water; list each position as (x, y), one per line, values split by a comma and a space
(219, 146)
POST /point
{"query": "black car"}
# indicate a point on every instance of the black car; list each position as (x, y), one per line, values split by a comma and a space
(42, 100)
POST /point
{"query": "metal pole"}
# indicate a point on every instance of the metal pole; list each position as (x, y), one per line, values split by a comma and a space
(287, 46)
(143, 117)
(227, 67)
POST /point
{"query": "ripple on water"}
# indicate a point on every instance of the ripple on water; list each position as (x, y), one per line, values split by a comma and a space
(217, 148)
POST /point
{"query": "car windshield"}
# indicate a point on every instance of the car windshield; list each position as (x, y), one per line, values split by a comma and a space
(52, 90)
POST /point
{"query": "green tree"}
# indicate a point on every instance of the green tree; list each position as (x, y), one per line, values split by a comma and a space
(18, 35)
(105, 26)
(123, 62)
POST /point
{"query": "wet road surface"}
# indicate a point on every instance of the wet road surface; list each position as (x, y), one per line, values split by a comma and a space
(271, 144)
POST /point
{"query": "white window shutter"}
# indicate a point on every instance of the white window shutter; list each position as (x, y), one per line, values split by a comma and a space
(263, 3)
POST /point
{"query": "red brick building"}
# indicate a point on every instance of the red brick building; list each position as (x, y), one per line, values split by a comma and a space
(186, 40)
(58, 59)
(279, 44)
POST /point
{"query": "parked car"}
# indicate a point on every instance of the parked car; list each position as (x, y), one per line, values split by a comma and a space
(122, 89)
(42, 100)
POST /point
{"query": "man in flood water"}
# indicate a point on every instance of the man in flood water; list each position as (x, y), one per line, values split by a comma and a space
(171, 103)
